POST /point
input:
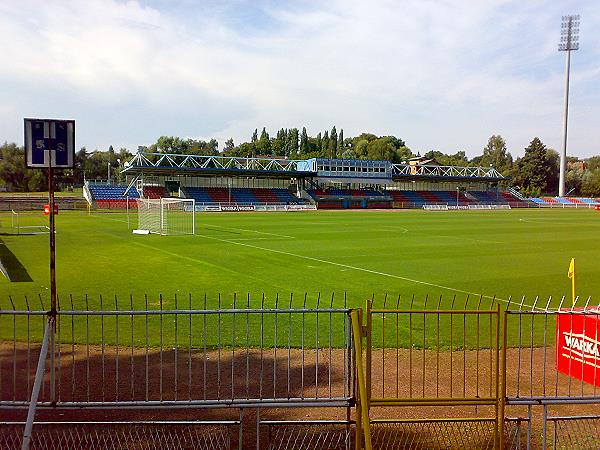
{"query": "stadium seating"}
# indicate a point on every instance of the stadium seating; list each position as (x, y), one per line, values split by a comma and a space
(346, 193)
(285, 196)
(198, 194)
(240, 195)
(155, 192)
(590, 201)
(112, 196)
(244, 195)
(564, 201)
(510, 198)
(111, 192)
(549, 200)
(488, 197)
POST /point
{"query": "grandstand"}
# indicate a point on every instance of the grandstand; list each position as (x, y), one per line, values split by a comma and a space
(246, 196)
(318, 182)
(565, 202)
(109, 196)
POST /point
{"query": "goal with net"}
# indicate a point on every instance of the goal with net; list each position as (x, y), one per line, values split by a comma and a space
(29, 223)
(167, 216)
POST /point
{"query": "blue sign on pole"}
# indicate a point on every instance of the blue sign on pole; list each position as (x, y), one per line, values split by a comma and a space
(49, 142)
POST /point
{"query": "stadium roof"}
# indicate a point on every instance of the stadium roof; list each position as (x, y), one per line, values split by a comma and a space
(197, 165)
(424, 172)
(179, 164)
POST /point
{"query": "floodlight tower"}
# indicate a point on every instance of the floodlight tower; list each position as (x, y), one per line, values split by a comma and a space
(569, 40)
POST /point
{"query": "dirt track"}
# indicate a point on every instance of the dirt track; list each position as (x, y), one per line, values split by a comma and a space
(105, 375)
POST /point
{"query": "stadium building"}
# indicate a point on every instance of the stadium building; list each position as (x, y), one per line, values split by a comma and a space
(219, 183)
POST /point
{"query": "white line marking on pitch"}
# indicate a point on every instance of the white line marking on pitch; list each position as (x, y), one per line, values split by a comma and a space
(467, 239)
(361, 269)
(253, 231)
(259, 239)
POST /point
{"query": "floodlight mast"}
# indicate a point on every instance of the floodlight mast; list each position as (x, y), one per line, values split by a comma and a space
(569, 40)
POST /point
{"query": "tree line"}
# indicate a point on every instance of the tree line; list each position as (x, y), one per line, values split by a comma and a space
(535, 173)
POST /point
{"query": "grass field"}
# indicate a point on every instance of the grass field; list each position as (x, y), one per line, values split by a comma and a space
(494, 253)
(354, 253)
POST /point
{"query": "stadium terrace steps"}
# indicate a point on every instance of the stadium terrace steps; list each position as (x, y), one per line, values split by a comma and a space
(564, 201)
(198, 194)
(286, 196)
(549, 200)
(421, 198)
(240, 195)
(111, 192)
(265, 195)
(155, 192)
(112, 196)
(348, 193)
(510, 198)
(244, 195)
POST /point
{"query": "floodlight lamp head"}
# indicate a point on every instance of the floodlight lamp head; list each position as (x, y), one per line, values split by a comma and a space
(569, 33)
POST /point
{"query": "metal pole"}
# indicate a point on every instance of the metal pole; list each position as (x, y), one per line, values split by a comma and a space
(52, 239)
(563, 148)
(39, 376)
(108, 179)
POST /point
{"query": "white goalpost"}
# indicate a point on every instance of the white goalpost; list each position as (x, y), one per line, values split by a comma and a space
(166, 216)
(29, 223)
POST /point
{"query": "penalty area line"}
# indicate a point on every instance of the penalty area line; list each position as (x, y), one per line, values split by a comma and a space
(361, 269)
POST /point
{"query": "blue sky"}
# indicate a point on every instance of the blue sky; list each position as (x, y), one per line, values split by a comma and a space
(441, 74)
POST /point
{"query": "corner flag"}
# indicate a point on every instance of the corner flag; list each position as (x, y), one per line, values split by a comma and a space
(571, 275)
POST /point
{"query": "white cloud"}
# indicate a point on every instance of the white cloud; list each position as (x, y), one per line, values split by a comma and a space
(440, 74)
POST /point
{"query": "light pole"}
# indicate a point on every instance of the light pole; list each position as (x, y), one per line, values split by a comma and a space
(108, 179)
(569, 40)
(457, 190)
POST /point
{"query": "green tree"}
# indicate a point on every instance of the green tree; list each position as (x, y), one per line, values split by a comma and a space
(279, 144)
(593, 163)
(229, 145)
(292, 143)
(574, 181)
(325, 145)
(333, 141)
(553, 159)
(14, 174)
(319, 142)
(590, 185)
(263, 146)
(457, 159)
(304, 146)
(533, 170)
(340, 144)
(496, 155)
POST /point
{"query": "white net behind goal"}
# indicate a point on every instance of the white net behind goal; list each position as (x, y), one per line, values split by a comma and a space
(167, 216)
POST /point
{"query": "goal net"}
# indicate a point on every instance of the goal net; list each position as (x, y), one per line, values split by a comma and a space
(29, 223)
(167, 216)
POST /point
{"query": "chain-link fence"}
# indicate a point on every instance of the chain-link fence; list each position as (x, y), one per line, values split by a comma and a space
(121, 435)
(309, 435)
(444, 434)
(214, 358)
(575, 432)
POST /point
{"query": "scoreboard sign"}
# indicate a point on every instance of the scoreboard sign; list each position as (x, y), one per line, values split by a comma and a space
(49, 142)
(578, 344)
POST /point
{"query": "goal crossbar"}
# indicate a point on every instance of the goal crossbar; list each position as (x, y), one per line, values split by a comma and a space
(22, 223)
(167, 216)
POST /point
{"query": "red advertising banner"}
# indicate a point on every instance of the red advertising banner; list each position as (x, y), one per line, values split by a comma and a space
(578, 344)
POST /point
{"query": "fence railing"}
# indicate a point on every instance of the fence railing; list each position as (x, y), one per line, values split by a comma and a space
(432, 367)
(184, 353)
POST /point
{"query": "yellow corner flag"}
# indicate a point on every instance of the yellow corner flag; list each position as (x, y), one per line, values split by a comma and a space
(571, 275)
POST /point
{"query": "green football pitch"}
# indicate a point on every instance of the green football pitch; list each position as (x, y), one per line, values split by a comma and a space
(449, 259)
(361, 253)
